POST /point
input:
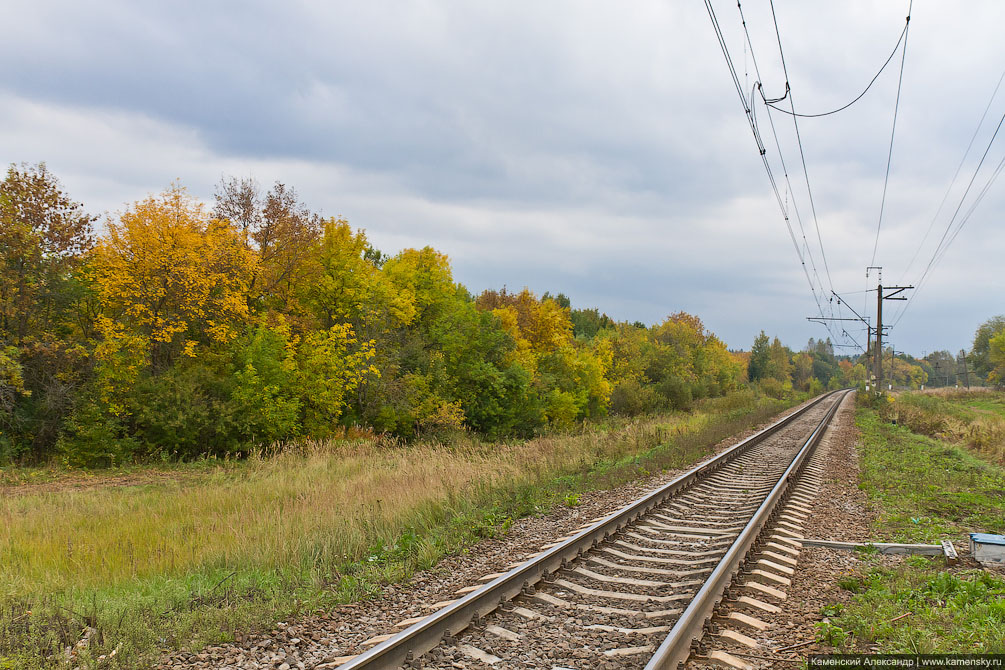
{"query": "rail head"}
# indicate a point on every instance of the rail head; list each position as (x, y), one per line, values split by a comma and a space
(676, 647)
(419, 638)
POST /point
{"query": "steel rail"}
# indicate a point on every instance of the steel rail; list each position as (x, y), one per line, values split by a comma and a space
(676, 647)
(427, 634)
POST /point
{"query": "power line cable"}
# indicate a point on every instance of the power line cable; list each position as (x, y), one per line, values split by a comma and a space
(771, 103)
(806, 251)
(799, 252)
(940, 249)
(963, 222)
(956, 174)
(963, 199)
(973, 207)
(799, 141)
(893, 132)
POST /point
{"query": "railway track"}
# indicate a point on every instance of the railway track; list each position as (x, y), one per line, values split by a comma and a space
(637, 588)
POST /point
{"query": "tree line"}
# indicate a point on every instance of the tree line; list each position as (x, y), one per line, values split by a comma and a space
(777, 370)
(184, 330)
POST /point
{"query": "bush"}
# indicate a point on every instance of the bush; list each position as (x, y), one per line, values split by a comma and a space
(677, 392)
(629, 398)
(94, 437)
(772, 388)
(181, 412)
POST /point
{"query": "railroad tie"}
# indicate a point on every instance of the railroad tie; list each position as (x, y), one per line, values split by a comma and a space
(728, 661)
(491, 577)
(377, 639)
(527, 614)
(739, 638)
(766, 590)
(408, 622)
(629, 651)
(651, 630)
(778, 558)
(478, 654)
(619, 595)
(504, 633)
(440, 605)
(759, 604)
(771, 565)
(748, 621)
(781, 547)
(771, 577)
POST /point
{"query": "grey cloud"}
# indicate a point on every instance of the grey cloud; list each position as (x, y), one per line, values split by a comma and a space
(591, 148)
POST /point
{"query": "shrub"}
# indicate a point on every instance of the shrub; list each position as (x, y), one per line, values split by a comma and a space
(93, 437)
(181, 412)
(677, 392)
(772, 388)
(629, 398)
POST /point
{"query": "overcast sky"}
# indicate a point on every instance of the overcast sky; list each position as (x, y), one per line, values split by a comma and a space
(595, 149)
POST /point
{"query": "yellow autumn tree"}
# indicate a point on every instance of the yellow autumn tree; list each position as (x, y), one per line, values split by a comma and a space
(172, 276)
(347, 287)
(421, 281)
(538, 326)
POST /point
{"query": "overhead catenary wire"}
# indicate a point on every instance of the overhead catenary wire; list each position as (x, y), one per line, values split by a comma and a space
(799, 141)
(956, 174)
(772, 103)
(805, 251)
(893, 133)
(963, 221)
(748, 112)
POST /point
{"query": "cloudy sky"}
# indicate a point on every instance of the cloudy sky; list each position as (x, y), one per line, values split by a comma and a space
(595, 149)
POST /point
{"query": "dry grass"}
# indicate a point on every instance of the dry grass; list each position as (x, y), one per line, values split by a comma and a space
(971, 418)
(316, 505)
(301, 519)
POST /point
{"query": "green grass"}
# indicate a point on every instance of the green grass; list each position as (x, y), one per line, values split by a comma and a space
(184, 561)
(924, 489)
(962, 612)
(927, 489)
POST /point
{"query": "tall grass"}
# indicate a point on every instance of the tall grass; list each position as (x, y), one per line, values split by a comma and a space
(974, 419)
(185, 562)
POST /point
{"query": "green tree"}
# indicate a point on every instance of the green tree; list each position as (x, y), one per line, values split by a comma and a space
(996, 355)
(980, 355)
(760, 354)
(44, 320)
(779, 362)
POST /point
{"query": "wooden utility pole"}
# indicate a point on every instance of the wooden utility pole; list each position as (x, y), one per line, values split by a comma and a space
(966, 373)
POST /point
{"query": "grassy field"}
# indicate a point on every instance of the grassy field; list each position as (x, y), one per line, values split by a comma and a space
(184, 556)
(935, 474)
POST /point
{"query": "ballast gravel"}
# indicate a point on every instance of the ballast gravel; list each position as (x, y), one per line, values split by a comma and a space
(315, 641)
(840, 511)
